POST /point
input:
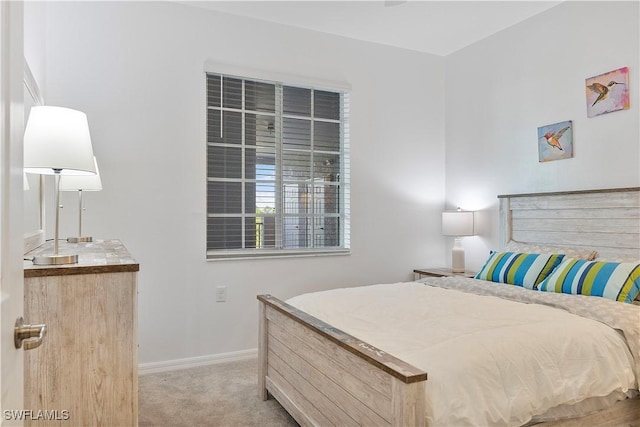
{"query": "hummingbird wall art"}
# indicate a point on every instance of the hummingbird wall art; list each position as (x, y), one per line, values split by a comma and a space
(608, 92)
(555, 141)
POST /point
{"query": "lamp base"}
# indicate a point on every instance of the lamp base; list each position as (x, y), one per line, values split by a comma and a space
(457, 257)
(55, 259)
(458, 269)
(79, 239)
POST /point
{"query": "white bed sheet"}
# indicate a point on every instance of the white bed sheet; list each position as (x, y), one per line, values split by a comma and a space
(489, 361)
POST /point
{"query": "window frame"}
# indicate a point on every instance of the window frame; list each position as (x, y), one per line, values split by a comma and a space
(343, 214)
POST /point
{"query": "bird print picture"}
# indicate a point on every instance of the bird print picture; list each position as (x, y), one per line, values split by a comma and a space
(608, 92)
(555, 141)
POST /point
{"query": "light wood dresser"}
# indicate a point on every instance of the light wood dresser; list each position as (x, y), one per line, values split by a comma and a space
(85, 373)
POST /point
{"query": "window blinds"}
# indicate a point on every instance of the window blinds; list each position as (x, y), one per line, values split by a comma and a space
(277, 169)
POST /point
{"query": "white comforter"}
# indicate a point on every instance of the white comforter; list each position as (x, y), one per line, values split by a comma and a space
(489, 360)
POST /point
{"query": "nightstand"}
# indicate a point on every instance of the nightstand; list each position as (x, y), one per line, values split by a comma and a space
(421, 273)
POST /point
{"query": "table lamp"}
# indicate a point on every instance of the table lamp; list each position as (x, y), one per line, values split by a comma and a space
(57, 142)
(81, 183)
(457, 223)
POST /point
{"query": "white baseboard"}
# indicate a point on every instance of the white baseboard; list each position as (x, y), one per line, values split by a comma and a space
(192, 362)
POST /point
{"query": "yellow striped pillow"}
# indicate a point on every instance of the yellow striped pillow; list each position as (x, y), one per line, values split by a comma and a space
(619, 281)
(520, 269)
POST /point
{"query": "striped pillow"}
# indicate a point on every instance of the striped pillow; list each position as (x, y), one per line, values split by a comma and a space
(619, 281)
(526, 270)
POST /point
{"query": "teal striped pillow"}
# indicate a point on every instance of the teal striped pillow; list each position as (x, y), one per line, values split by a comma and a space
(619, 281)
(526, 270)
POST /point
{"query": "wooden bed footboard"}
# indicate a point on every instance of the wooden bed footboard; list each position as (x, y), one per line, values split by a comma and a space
(324, 376)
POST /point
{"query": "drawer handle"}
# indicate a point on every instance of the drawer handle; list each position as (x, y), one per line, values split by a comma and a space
(30, 336)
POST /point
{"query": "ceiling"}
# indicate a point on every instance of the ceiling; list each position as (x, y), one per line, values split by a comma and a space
(436, 27)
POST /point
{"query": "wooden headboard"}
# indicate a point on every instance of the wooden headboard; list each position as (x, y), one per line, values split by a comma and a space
(606, 221)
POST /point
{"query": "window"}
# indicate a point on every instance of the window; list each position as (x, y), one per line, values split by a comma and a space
(277, 169)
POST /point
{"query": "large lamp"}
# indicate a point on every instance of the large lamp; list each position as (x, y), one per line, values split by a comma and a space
(57, 142)
(457, 223)
(81, 183)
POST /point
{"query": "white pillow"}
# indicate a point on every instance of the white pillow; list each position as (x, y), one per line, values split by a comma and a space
(620, 258)
(582, 253)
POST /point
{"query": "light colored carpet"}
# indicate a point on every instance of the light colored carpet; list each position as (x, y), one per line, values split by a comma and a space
(223, 395)
(226, 395)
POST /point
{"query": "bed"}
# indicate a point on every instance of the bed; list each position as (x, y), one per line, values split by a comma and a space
(325, 370)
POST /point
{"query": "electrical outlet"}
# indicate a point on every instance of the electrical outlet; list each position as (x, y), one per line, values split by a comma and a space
(221, 293)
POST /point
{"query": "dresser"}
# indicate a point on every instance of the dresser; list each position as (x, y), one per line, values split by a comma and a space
(85, 373)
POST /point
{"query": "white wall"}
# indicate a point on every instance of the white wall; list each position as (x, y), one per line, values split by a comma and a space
(35, 41)
(136, 69)
(501, 89)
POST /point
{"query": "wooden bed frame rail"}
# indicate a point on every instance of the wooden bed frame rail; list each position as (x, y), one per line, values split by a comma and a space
(324, 376)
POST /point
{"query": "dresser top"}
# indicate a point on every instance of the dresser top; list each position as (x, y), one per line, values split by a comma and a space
(100, 256)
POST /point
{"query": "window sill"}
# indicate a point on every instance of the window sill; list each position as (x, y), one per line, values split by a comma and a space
(275, 253)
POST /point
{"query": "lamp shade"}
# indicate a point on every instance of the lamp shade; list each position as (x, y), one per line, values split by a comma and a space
(82, 182)
(457, 223)
(58, 139)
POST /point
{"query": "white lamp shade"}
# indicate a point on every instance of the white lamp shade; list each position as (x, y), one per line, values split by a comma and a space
(58, 138)
(457, 223)
(82, 182)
